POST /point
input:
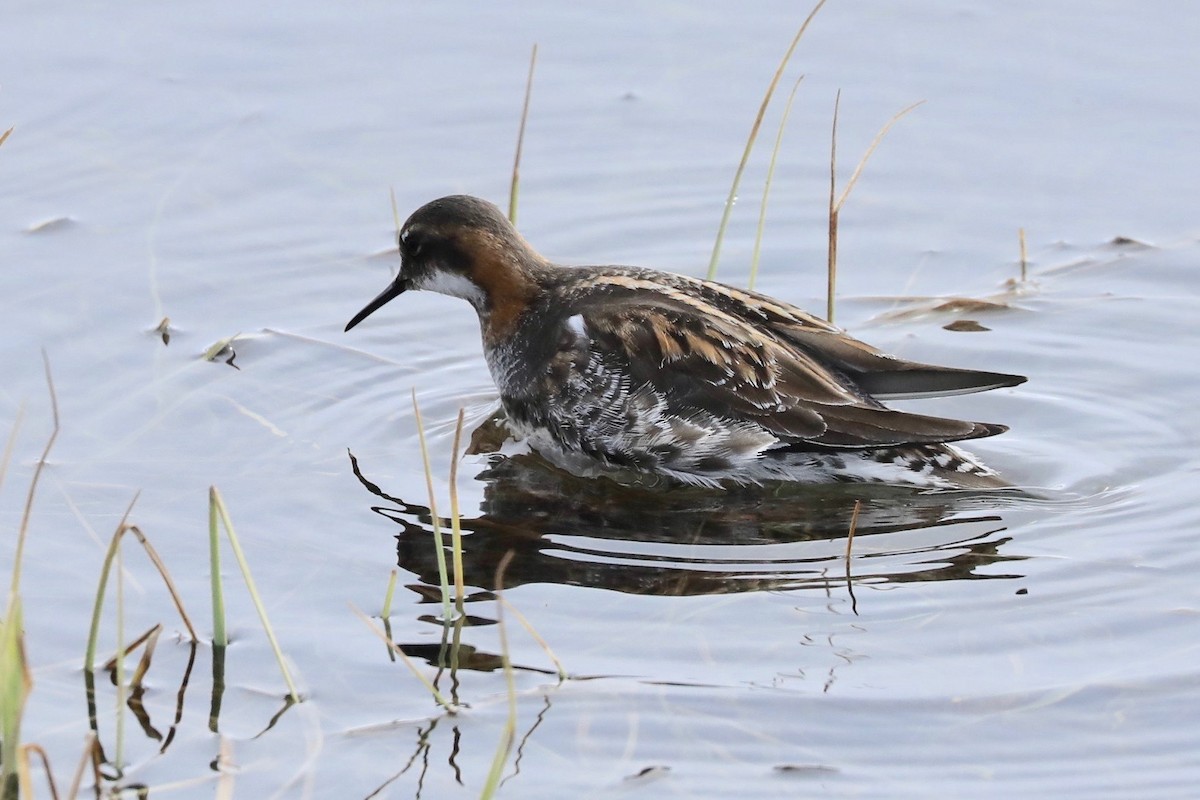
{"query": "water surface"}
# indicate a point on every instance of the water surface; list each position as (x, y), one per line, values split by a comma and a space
(229, 169)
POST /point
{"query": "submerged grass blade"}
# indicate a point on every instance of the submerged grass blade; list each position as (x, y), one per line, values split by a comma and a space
(231, 534)
(438, 697)
(514, 188)
(762, 212)
(4, 136)
(762, 110)
(443, 579)
(508, 733)
(225, 769)
(456, 548)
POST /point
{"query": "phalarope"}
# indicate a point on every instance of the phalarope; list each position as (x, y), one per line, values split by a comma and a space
(630, 369)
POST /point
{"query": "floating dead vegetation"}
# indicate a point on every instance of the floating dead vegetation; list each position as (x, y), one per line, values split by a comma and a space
(163, 329)
(965, 326)
(920, 307)
(52, 225)
(222, 350)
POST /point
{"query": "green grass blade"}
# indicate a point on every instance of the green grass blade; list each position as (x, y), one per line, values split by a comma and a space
(231, 534)
(89, 656)
(220, 637)
(386, 611)
(15, 686)
(762, 110)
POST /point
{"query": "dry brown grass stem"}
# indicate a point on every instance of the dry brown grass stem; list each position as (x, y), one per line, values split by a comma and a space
(537, 637)
(849, 547)
(515, 186)
(835, 206)
(1024, 255)
(456, 549)
(33, 483)
(762, 110)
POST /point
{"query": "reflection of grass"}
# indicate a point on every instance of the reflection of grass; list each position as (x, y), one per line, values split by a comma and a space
(16, 683)
(454, 621)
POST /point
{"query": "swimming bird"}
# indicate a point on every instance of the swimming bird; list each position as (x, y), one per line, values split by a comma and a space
(616, 369)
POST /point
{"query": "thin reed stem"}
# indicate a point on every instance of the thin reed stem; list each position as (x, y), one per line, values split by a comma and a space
(439, 544)
(515, 186)
(456, 544)
(762, 110)
(236, 545)
(762, 211)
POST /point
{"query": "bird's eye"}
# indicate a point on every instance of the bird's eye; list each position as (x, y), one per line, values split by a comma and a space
(410, 244)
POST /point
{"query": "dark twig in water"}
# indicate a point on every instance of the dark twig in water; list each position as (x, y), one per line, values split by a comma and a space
(849, 546)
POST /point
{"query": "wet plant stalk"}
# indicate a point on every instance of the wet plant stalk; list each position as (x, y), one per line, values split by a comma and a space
(220, 638)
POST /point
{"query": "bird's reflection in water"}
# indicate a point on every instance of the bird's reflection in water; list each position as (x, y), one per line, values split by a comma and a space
(688, 541)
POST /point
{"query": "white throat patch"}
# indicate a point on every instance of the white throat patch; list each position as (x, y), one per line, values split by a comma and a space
(453, 284)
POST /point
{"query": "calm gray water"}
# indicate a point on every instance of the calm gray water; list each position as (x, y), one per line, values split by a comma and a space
(229, 168)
